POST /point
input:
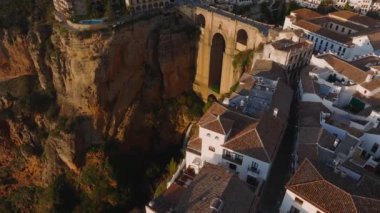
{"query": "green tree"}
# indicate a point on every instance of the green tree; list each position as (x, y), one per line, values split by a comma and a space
(243, 60)
(290, 6)
(348, 7)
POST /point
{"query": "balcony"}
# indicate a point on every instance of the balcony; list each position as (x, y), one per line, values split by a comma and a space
(233, 159)
(254, 170)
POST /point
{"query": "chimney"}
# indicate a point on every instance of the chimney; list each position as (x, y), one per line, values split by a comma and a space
(275, 112)
(336, 142)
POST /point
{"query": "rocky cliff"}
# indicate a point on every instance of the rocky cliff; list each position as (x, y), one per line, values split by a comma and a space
(100, 74)
(63, 92)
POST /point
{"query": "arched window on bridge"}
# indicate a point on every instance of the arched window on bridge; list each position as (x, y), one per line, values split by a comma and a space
(200, 21)
(242, 37)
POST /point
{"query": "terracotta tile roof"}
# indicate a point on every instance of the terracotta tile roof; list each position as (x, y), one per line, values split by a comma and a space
(215, 182)
(308, 84)
(169, 198)
(309, 184)
(325, 196)
(355, 17)
(215, 109)
(309, 151)
(305, 173)
(248, 144)
(327, 19)
(287, 44)
(374, 38)
(309, 114)
(305, 13)
(273, 138)
(346, 69)
(219, 124)
(372, 85)
(366, 205)
(282, 100)
(320, 186)
(365, 63)
(344, 39)
(195, 145)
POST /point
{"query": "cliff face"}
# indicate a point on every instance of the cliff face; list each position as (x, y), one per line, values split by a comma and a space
(62, 92)
(15, 59)
(100, 75)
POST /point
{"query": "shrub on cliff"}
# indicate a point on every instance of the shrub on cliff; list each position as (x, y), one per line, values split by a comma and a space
(38, 101)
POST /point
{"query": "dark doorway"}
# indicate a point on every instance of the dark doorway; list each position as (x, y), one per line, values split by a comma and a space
(216, 62)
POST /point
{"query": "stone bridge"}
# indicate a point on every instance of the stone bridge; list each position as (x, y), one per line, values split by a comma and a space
(223, 35)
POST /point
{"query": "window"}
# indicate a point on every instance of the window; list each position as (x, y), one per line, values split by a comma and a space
(216, 138)
(344, 50)
(343, 29)
(254, 167)
(331, 26)
(374, 147)
(232, 166)
(208, 134)
(211, 148)
(336, 28)
(349, 32)
(332, 46)
(227, 153)
(252, 181)
(233, 157)
(297, 200)
(294, 210)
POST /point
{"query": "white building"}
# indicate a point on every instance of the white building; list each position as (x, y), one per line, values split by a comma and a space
(347, 34)
(360, 6)
(145, 5)
(290, 50)
(246, 137)
(312, 4)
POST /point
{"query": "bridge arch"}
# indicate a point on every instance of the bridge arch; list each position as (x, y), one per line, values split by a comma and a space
(242, 37)
(218, 47)
(200, 20)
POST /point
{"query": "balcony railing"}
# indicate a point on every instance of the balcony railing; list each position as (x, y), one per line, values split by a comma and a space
(253, 169)
(233, 159)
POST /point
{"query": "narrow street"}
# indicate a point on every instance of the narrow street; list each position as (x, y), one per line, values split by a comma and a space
(274, 188)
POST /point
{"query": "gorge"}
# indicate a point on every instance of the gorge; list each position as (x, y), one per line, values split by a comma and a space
(89, 120)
